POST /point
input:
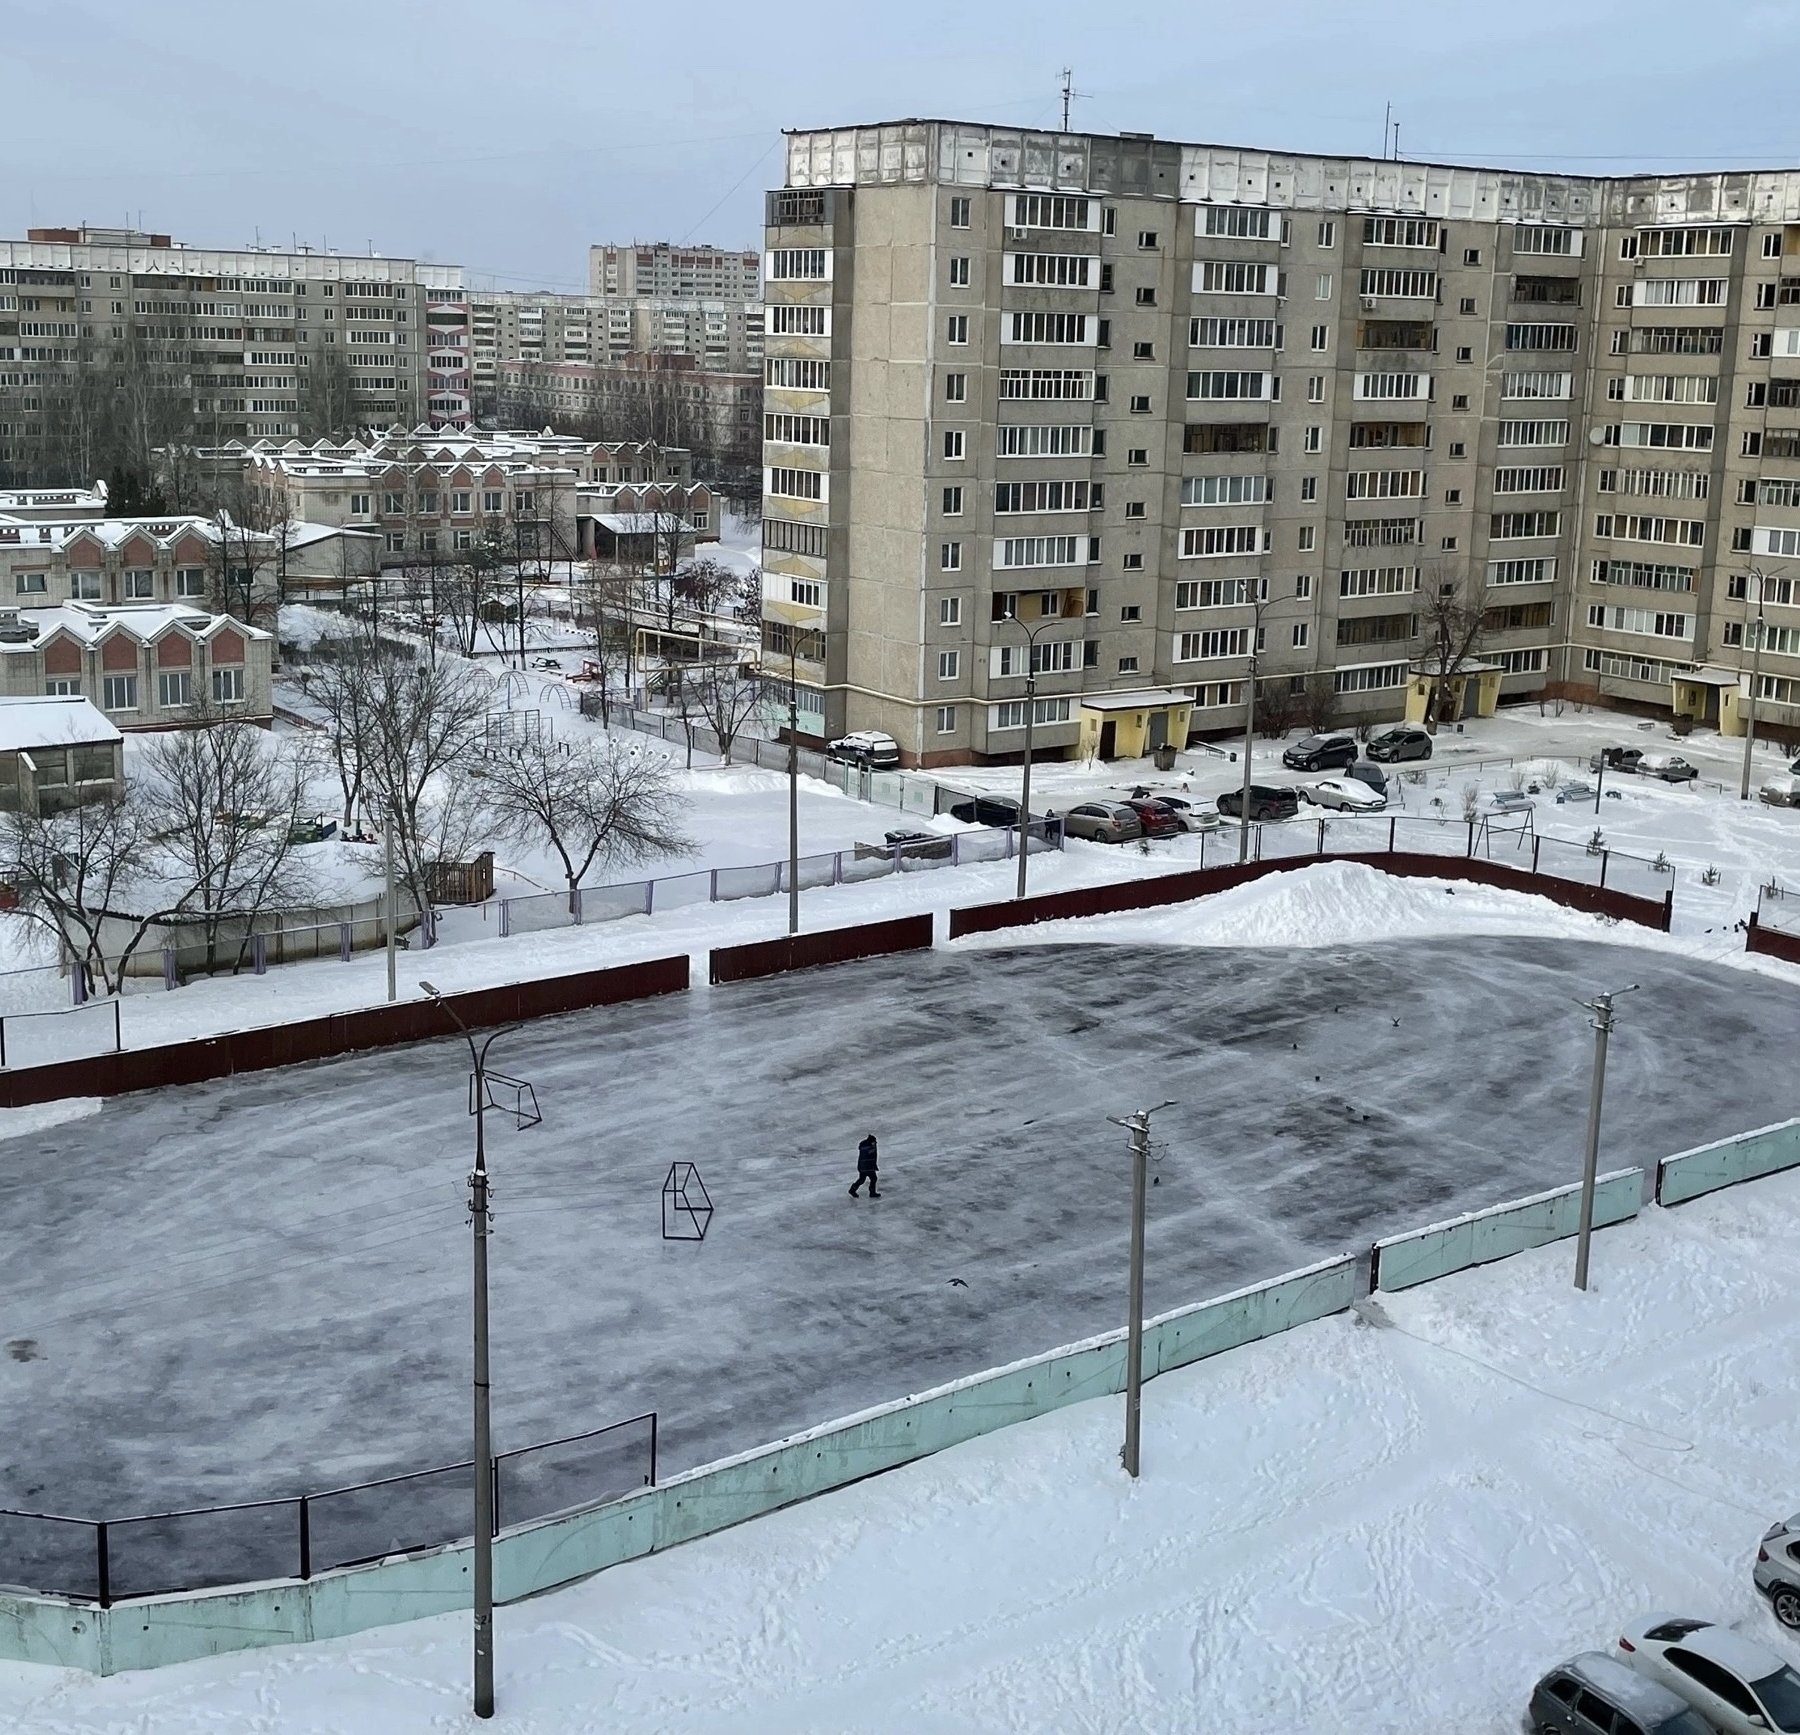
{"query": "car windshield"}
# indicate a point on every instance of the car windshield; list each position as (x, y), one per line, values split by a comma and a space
(1779, 1694)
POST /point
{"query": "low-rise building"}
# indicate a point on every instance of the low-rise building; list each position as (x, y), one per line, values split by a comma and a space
(203, 562)
(56, 752)
(146, 665)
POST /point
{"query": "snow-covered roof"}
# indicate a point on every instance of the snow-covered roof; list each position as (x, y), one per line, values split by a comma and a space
(52, 721)
(89, 622)
(51, 536)
(1147, 700)
(299, 533)
(637, 523)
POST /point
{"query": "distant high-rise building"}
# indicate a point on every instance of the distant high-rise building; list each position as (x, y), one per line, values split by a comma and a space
(660, 268)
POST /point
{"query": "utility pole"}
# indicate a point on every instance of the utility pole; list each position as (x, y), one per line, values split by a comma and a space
(1031, 637)
(1602, 1008)
(1756, 644)
(1138, 1126)
(390, 907)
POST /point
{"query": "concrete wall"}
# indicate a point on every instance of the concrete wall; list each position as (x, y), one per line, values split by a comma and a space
(1728, 1161)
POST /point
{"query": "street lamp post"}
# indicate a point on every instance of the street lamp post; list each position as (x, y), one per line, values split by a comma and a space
(484, 1451)
(1602, 1008)
(1031, 638)
(1756, 645)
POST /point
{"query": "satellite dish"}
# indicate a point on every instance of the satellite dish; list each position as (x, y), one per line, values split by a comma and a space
(1596, 436)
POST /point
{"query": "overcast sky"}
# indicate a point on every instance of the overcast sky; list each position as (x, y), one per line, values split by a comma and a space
(508, 135)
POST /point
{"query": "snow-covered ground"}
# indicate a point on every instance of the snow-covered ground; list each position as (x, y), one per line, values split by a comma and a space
(1383, 1524)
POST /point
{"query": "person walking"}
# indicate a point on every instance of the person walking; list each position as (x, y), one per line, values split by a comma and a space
(865, 1169)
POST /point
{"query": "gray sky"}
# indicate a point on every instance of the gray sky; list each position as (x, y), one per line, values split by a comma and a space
(508, 135)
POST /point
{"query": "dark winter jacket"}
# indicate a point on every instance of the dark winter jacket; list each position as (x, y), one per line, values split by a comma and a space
(865, 1156)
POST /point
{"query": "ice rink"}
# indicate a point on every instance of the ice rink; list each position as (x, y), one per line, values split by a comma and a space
(259, 1287)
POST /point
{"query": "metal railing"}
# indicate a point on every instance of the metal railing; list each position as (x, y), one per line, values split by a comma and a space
(108, 1560)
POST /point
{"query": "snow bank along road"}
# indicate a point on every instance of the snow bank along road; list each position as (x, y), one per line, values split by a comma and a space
(1350, 1529)
(258, 1287)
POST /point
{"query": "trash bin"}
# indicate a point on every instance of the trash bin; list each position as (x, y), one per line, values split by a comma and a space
(1164, 758)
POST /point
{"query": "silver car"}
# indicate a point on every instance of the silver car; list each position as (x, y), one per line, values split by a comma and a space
(1102, 822)
(1739, 1686)
(1777, 1571)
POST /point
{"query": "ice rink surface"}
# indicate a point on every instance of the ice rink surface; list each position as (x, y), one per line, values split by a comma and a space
(259, 1287)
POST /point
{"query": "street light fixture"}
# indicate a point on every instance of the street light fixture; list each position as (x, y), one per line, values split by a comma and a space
(1031, 639)
(484, 1453)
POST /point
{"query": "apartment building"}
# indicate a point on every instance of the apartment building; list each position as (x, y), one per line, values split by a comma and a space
(663, 269)
(247, 329)
(723, 336)
(1121, 411)
(667, 398)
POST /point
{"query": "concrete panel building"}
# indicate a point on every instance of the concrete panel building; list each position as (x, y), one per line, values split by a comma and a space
(663, 268)
(1132, 398)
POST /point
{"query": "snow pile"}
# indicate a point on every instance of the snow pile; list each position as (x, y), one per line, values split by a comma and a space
(40, 1117)
(1336, 903)
(1380, 1523)
(302, 627)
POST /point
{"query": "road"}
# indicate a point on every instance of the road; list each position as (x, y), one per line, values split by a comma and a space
(259, 1287)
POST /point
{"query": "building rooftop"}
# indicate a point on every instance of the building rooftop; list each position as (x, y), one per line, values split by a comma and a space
(55, 721)
(90, 622)
(51, 535)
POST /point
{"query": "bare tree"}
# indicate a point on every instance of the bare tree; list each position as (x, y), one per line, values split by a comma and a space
(1453, 621)
(1276, 707)
(327, 395)
(726, 698)
(593, 803)
(603, 598)
(1319, 703)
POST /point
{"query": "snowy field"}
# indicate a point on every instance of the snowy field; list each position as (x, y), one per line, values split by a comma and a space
(257, 1287)
(1363, 1527)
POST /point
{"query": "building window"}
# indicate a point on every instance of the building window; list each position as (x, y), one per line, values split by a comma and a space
(31, 583)
(1458, 449)
(1301, 633)
(1464, 353)
(1147, 239)
(1449, 542)
(1452, 496)
(84, 586)
(118, 693)
(1322, 289)
(1328, 233)
(1311, 441)
(1140, 404)
(950, 557)
(1308, 539)
(952, 502)
(1134, 509)
(1133, 563)
(1315, 388)
(174, 689)
(1131, 612)
(62, 687)
(958, 328)
(1146, 297)
(1143, 352)
(959, 272)
(956, 388)
(228, 686)
(1471, 256)
(807, 592)
(461, 540)
(359, 506)
(946, 719)
(1459, 400)
(1772, 245)
(1309, 487)
(191, 581)
(959, 213)
(949, 663)
(459, 502)
(1137, 455)
(140, 586)
(949, 611)
(1321, 337)
(1466, 305)
(953, 444)
(1303, 586)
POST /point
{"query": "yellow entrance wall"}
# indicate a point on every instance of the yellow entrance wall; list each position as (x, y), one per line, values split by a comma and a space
(1131, 737)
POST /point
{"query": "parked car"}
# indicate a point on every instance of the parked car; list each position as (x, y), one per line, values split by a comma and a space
(1407, 741)
(1192, 818)
(867, 747)
(1616, 759)
(1267, 801)
(1367, 771)
(1591, 1694)
(1346, 794)
(1320, 753)
(1777, 1570)
(1102, 822)
(1782, 790)
(1156, 819)
(986, 810)
(1670, 767)
(318, 829)
(1736, 1684)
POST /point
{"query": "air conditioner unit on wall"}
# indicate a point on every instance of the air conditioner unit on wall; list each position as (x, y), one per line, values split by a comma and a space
(1019, 234)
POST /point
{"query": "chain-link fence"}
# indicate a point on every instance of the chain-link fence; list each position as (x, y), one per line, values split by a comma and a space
(203, 1547)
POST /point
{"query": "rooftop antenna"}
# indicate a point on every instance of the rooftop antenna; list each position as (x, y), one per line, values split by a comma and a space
(1387, 126)
(1069, 94)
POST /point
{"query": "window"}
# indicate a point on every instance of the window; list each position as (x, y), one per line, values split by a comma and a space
(1047, 383)
(1322, 286)
(1224, 490)
(1448, 542)
(1057, 496)
(1771, 245)
(1311, 441)
(1058, 270)
(118, 693)
(788, 264)
(174, 689)
(31, 583)
(807, 592)
(1011, 715)
(1235, 277)
(1321, 337)
(1143, 352)
(1146, 298)
(1378, 581)
(1452, 496)
(1458, 449)
(1234, 334)
(1068, 328)
(1147, 239)
(1309, 488)
(953, 444)
(1128, 665)
(957, 330)
(950, 557)
(1222, 384)
(1303, 586)
(190, 581)
(946, 719)
(1315, 389)
(1019, 551)
(1131, 612)
(492, 501)
(1522, 571)
(1464, 353)
(1368, 678)
(1459, 401)
(959, 213)
(956, 391)
(959, 272)
(1765, 295)
(783, 429)
(1328, 233)
(1217, 642)
(460, 497)
(796, 484)
(1308, 539)
(1213, 541)
(1715, 1680)
(462, 540)
(1471, 256)
(1301, 633)
(1509, 524)
(1137, 455)
(1533, 479)
(1400, 284)
(228, 686)
(1244, 222)
(949, 611)
(1140, 404)
(949, 665)
(952, 502)
(62, 687)
(84, 586)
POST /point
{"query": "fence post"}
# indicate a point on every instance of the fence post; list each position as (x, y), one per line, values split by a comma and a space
(1470, 851)
(1391, 824)
(494, 1484)
(305, 1538)
(344, 941)
(712, 888)
(956, 849)
(1535, 842)
(168, 961)
(837, 868)
(118, 1038)
(78, 986)
(1321, 849)
(259, 954)
(649, 896)
(505, 917)
(102, 1566)
(1668, 910)
(428, 927)
(575, 905)
(1603, 855)
(652, 1448)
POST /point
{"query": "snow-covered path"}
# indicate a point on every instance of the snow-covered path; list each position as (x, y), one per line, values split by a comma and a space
(1368, 1527)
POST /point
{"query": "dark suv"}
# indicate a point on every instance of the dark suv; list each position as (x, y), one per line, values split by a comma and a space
(1321, 753)
(1406, 742)
(1267, 801)
(999, 810)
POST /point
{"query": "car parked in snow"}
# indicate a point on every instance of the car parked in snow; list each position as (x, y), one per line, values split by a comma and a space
(1616, 759)
(1367, 771)
(871, 748)
(1406, 741)
(1781, 790)
(1591, 1694)
(1102, 822)
(1156, 819)
(1320, 753)
(1777, 1570)
(1345, 794)
(1267, 801)
(1736, 1684)
(1670, 767)
(1000, 810)
(1192, 818)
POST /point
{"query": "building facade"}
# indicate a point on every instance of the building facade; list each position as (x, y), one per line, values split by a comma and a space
(251, 331)
(1123, 411)
(512, 326)
(661, 268)
(660, 397)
